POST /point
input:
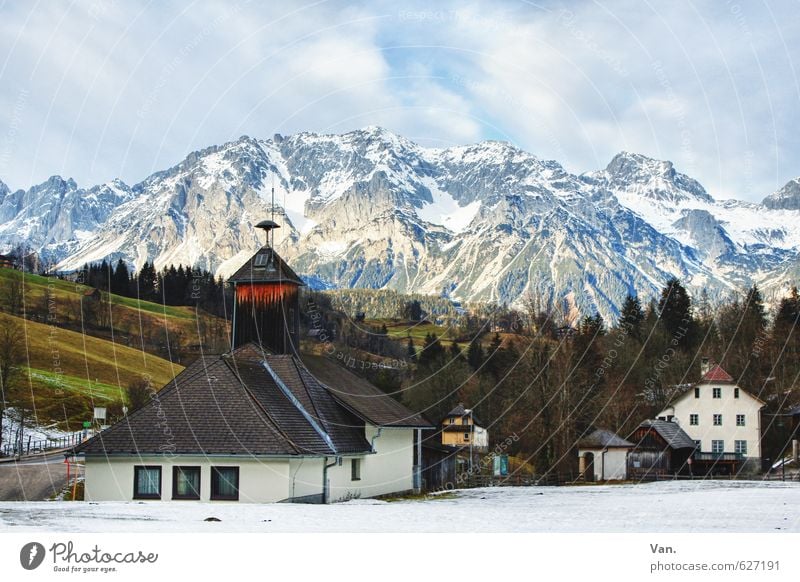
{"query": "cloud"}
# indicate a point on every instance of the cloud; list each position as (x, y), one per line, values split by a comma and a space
(98, 90)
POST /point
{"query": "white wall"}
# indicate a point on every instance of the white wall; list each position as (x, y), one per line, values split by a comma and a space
(706, 406)
(389, 470)
(305, 478)
(611, 466)
(260, 480)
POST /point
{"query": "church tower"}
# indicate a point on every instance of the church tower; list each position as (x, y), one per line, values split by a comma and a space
(266, 307)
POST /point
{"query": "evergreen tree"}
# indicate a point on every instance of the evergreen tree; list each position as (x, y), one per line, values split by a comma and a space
(631, 316)
(675, 313)
(120, 279)
(432, 350)
(147, 282)
(411, 351)
(475, 355)
(455, 351)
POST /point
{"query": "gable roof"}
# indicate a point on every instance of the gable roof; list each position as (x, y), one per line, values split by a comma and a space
(252, 273)
(204, 410)
(716, 375)
(603, 439)
(247, 402)
(673, 435)
(366, 401)
(461, 411)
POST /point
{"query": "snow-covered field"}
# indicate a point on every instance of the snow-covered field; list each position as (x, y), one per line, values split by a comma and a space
(688, 506)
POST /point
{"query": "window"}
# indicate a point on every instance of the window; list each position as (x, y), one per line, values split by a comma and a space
(736, 393)
(717, 392)
(694, 419)
(697, 392)
(717, 420)
(355, 469)
(464, 420)
(225, 483)
(147, 482)
(740, 447)
(697, 445)
(740, 420)
(260, 260)
(186, 482)
(717, 446)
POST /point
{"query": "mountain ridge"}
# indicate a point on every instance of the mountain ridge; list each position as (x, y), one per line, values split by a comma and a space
(369, 208)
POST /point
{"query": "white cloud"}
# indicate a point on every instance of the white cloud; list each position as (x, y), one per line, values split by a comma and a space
(97, 90)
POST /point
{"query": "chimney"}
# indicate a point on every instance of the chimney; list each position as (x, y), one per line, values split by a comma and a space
(266, 306)
(705, 366)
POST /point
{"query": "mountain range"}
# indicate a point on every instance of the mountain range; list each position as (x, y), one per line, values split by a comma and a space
(369, 208)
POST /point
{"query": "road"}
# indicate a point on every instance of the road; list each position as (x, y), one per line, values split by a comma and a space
(35, 478)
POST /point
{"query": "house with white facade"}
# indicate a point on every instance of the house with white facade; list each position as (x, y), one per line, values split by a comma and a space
(603, 456)
(255, 424)
(723, 419)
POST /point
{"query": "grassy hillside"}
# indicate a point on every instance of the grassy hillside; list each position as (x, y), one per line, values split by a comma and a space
(65, 373)
(142, 324)
(36, 285)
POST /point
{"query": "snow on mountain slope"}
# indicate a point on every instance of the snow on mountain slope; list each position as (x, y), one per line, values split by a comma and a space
(369, 208)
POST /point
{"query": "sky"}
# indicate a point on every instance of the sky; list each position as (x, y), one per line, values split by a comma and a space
(96, 90)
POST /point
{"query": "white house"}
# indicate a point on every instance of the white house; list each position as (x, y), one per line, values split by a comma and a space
(723, 419)
(603, 456)
(255, 424)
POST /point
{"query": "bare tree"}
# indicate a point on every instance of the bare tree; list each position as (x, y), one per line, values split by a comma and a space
(12, 293)
(11, 356)
(138, 393)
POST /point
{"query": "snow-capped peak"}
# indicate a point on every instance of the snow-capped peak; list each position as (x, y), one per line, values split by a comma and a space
(787, 198)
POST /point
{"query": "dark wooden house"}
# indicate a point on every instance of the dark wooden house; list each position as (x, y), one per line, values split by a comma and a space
(266, 307)
(661, 448)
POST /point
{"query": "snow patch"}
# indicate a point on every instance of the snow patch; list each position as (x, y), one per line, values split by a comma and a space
(445, 211)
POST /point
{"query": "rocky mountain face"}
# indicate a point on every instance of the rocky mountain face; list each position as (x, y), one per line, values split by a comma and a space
(485, 222)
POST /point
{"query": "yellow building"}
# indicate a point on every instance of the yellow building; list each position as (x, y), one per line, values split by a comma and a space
(460, 428)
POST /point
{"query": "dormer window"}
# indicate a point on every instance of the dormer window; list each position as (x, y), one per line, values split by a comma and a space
(260, 260)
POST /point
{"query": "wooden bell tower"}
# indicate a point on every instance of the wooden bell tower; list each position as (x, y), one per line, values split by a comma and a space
(266, 307)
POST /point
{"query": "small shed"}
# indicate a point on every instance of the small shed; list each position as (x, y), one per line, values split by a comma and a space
(603, 456)
(8, 262)
(93, 294)
(661, 447)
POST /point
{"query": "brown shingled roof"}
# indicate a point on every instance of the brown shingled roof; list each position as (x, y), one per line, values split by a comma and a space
(204, 410)
(252, 273)
(362, 398)
(250, 402)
